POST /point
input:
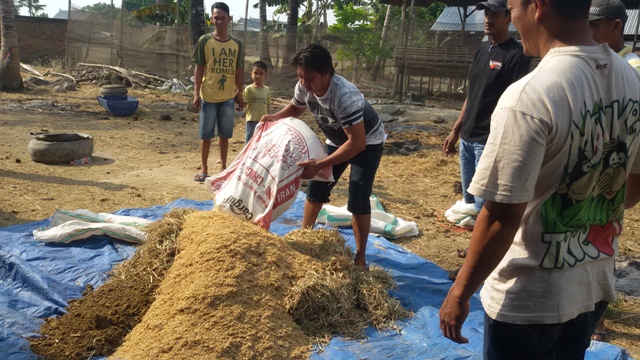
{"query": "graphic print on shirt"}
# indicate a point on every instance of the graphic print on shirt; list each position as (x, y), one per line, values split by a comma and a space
(325, 118)
(582, 219)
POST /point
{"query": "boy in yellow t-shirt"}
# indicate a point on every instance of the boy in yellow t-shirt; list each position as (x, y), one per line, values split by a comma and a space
(257, 98)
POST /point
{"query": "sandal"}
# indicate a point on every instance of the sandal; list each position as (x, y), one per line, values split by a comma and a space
(462, 253)
(200, 177)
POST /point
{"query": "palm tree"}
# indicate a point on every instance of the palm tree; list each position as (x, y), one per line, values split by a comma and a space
(33, 6)
(10, 79)
(291, 36)
(197, 21)
(263, 43)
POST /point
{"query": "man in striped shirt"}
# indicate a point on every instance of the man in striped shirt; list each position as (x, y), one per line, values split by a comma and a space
(355, 136)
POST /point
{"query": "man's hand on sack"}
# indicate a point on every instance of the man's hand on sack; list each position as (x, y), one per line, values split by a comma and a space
(311, 169)
(267, 118)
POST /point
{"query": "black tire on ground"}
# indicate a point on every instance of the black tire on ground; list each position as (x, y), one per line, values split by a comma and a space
(60, 148)
(113, 90)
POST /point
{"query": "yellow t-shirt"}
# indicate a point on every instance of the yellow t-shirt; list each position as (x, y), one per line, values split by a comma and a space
(221, 60)
(258, 100)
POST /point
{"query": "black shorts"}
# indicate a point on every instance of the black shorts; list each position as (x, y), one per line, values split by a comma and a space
(363, 173)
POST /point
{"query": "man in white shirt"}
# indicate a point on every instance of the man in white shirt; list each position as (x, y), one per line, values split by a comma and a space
(559, 169)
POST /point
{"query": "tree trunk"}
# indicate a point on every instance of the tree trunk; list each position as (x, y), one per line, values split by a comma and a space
(291, 34)
(263, 44)
(397, 88)
(10, 79)
(197, 20)
(412, 22)
(383, 42)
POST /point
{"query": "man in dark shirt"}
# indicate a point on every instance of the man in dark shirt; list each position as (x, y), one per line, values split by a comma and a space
(497, 64)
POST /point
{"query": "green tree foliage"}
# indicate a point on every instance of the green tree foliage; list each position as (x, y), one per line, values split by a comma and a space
(355, 26)
(109, 11)
(33, 6)
(132, 5)
(163, 13)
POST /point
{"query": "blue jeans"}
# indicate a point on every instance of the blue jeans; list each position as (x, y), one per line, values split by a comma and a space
(216, 116)
(251, 128)
(470, 153)
(564, 341)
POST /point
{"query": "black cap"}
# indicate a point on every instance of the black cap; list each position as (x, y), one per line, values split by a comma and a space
(495, 5)
(612, 9)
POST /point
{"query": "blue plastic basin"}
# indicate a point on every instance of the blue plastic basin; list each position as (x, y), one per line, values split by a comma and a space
(119, 105)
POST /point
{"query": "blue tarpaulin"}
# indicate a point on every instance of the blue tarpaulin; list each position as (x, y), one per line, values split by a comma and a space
(37, 280)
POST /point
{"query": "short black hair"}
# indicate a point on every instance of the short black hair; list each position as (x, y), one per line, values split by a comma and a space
(220, 5)
(260, 64)
(569, 9)
(314, 57)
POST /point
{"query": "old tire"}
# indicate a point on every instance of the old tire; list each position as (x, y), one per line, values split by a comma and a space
(60, 148)
(113, 90)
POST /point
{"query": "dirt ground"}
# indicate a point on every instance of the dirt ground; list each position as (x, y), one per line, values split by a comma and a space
(142, 161)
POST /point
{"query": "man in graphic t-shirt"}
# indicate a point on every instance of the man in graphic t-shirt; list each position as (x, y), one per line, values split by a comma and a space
(354, 132)
(218, 82)
(560, 166)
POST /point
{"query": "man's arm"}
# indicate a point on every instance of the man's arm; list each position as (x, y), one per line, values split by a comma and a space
(239, 78)
(633, 191)
(492, 236)
(197, 84)
(355, 144)
(449, 147)
(289, 111)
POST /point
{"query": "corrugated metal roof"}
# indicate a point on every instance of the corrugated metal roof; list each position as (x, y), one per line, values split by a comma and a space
(632, 21)
(450, 20)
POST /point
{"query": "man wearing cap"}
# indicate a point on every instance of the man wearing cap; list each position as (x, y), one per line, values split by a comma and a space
(606, 23)
(560, 167)
(607, 19)
(496, 64)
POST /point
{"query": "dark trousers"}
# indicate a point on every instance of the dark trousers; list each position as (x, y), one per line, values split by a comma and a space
(564, 341)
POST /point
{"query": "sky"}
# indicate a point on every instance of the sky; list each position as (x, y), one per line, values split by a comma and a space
(236, 7)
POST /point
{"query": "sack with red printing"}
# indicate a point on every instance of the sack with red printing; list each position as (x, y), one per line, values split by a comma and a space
(262, 182)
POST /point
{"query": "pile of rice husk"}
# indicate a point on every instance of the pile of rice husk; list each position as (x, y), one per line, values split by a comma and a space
(233, 290)
(339, 298)
(223, 296)
(97, 323)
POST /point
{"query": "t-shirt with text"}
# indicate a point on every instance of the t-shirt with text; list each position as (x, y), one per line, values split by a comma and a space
(563, 139)
(221, 60)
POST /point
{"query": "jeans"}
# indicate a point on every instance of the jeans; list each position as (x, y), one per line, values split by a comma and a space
(564, 341)
(470, 153)
(216, 116)
(251, 128)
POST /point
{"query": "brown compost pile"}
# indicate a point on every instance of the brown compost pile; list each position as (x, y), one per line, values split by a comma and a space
(207, 285)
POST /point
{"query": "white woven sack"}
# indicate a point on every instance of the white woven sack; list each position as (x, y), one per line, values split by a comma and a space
(262, 182)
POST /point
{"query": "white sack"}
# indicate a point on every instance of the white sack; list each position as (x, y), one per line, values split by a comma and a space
(382, 222)
(67, 226)
(462, 214)
(262, 182)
